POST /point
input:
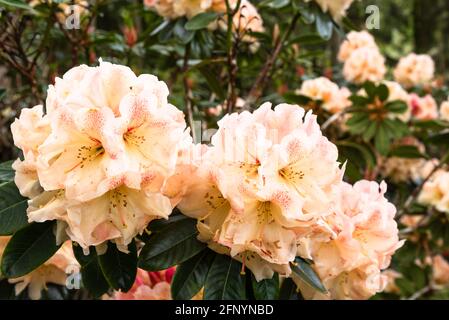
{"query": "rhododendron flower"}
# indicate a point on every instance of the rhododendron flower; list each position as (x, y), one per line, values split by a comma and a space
(267, 175)
(337, 8)
(366, 236)
(414, 69)
(444, 110)
(440, 269)
(424, 108)
(435, 191)
(148, 286)
(333, 98)
(391, 276)
(52, 271)
(109, 142)
(364, 64)
(173, 9)
(355, 40)
(397, 93)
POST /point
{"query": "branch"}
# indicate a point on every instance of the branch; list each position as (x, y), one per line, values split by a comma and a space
(262, 79)
(187, 93)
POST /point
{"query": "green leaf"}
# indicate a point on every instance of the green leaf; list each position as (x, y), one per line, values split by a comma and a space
(396, 106)
(438, 139)
(406, 152)
(191, 275)
(275, 4)
(29, 248)
(299, 99)
(358, 123)
(370, 89)
(382, 92)
(307, 11)
(175, 244)
(119, 268)
(304, 271)
(13, 209)
(324, 25)
(370, 131)
(6, 171)
(224, 281)
(359, 100)
(307, 39)
(200, 21)
(16, 4)
(368, 156)
(91, 274)
(435, 125)
(267, 289)
(381, 139)
(288, 290)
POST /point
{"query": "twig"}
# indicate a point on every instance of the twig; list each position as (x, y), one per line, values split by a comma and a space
(332, 119)
(262, 79)
(187, 93)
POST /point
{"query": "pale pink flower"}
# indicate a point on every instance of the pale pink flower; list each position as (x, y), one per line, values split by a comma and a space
(148, 286)
(173, 9)
(364, 64)
(440, 268)
(435, 191)
(355, 40)
(414, 69)
(52, 271)
(424, 108)
(391, 276)
(111, 141)
(336, 8)
(444, 111)
(333, 98)
(29, 132)
(267, 175)
(366, 236)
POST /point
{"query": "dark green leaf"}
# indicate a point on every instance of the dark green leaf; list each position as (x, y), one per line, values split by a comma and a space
(382, 92)
(224, 280)
(288, 290)
(381, 139)
(175, 244)
(370, 89)
(305, 271)
(6, 171)
(267, 289)
(299, 99)
(396, 106)
(324, 25)
(191, 275)
(13, 206)
(275, 4)
(119, 268)
(212, 82)
(200, 21)
(368, 156)
(359, 100)
(15, 3)
(406, 152)
(91, 274)
(29, 248)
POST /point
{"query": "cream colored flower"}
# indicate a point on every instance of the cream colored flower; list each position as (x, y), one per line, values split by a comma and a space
(440, 268)
(414, 69)
(52, 271)
(444, 111)
(364, 64)
(267, 177)
(424, 108)
(366, 236)
(111, 141)
(29, 132)
(391, 276)
(333, 98)
(173, 9)
(337, 8)
(355, 40)
(435, 191)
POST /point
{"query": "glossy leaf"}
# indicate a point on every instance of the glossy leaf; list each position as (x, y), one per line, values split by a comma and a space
(13, 206)
(267, 289)
(305, 271)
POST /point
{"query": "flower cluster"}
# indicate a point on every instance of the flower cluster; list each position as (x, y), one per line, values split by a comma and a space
(246, 18)
(53, 271)
(363, 237)
(333, 99)
(336, 8)
(270, 188)
(362, 58)
(107, 143)
(435, 191)
(414, 69)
